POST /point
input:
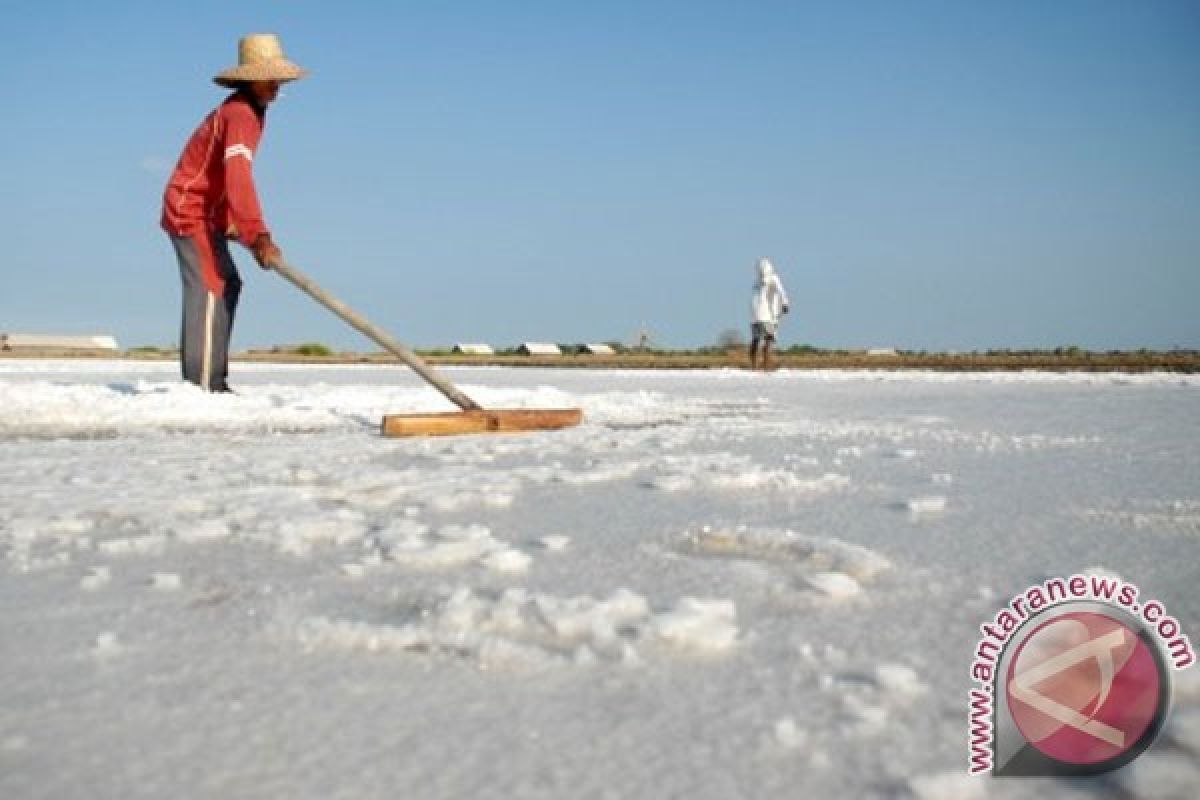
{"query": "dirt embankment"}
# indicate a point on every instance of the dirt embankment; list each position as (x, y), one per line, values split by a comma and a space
(1183, 361)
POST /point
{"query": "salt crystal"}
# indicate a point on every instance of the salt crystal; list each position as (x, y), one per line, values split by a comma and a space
(204, 531)
(788, 735)
(700, 623)
(930, 504)
(1183, 728)
(948, 786)
(1161, 774)
(508, 560)
(166, 581)
(836, 585)
(898, 680)
(106, 645)
(96, 578)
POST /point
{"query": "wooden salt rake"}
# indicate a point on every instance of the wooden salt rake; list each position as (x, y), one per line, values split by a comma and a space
(470, 419)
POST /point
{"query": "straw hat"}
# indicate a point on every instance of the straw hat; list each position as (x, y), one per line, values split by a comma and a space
(260, 58)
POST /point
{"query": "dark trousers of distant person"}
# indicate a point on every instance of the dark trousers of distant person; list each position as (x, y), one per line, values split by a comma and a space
(211, 287)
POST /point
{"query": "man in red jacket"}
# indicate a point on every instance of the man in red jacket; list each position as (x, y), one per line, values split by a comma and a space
(210, 198)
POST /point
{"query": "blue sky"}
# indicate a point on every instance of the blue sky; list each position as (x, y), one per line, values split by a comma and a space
(926, 175)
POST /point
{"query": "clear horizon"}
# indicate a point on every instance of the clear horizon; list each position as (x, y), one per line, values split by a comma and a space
(933, 176)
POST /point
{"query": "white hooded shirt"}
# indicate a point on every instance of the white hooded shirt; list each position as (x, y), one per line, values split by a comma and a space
(769, 297)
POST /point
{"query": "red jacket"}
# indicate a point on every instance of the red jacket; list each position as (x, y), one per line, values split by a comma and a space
(212, 187)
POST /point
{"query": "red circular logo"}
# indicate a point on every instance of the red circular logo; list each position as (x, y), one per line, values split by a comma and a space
(1085, 689)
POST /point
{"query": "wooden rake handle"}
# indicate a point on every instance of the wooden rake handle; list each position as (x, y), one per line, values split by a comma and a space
(375, 334)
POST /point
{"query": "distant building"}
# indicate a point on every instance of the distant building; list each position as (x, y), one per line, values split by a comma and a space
(43, 342)
(473, 349)
(882, 351)
(539, 349)
(597, 350)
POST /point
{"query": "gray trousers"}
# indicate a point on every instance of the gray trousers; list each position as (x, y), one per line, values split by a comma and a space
(211, 287)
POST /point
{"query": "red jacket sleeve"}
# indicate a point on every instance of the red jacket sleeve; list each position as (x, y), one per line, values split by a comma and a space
(242, 132)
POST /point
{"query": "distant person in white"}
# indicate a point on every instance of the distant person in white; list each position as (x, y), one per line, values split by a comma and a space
(768, 304)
